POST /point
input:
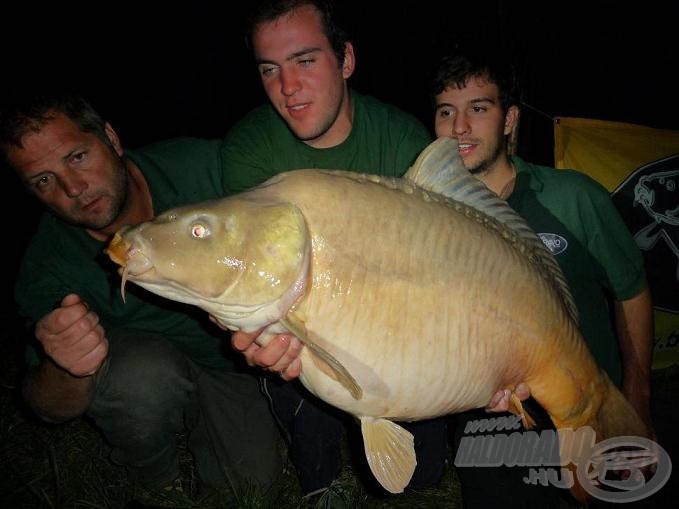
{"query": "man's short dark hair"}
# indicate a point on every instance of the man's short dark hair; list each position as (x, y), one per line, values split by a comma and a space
(269, 10)
(456, 68)
(24, 114)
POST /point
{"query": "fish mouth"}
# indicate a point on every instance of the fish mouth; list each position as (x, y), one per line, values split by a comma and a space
(137, 267)
(117, 248)
(131, 259)
(129, 256)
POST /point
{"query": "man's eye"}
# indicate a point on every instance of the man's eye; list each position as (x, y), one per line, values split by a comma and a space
(478, 109)
(267, 71)
(78, 157)
(41, 183)
(306, 62)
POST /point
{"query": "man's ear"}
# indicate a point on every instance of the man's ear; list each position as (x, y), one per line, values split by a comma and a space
(349, 63)
(113, 138)
(511, 119)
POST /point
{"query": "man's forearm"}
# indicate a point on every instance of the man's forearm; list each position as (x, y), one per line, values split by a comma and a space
(634, 321)
(54, 394)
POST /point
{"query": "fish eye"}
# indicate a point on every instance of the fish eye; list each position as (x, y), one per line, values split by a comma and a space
(199, 230)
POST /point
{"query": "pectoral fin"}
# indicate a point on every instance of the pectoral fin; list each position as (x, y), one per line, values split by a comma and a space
(332, 366)
(390, 451)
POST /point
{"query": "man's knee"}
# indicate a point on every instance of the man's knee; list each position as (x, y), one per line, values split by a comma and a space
(145, 375)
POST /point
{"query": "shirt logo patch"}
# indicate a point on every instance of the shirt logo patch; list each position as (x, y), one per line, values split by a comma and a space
(555, 243)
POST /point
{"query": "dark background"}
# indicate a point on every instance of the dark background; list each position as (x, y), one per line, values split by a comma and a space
(183, 70)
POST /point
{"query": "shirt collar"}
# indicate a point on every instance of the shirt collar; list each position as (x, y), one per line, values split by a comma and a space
(526, 178)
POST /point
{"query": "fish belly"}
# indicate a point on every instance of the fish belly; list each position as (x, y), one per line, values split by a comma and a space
(429, 310)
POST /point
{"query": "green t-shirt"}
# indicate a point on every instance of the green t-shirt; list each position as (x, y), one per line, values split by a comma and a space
(61, 258)
(383, 140)
(577, 220)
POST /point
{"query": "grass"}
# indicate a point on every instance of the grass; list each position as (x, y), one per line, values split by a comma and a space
(67, 466)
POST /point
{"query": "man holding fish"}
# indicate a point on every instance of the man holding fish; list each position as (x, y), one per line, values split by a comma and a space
(314, 120)
(476, 100)
(476, 104)
(102, 356)
(140, 369)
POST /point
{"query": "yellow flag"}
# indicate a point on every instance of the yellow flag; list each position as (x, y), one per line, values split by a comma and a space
(639, 165)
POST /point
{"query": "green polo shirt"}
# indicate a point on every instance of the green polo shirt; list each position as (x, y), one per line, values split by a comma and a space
(383, 140)
(63, 259)
(577, 220)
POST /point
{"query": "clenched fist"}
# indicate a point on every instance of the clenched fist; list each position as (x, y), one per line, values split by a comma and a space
(72, 337)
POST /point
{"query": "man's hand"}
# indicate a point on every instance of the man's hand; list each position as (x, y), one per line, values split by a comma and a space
(72, 337)
(501, 399)
(280, 355)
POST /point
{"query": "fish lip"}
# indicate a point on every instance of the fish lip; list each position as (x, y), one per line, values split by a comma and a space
(118, 247)
(136, 262)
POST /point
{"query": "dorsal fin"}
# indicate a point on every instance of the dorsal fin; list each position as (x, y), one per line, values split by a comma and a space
(439, 169)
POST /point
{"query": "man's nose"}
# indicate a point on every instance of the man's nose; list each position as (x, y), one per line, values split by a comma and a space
(460, 125)
(73, 185)
(289, 82)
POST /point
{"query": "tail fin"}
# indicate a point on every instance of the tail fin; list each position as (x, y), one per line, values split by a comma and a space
(614, 417)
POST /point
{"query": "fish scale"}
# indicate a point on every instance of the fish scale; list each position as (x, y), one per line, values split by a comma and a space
(415, 297)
